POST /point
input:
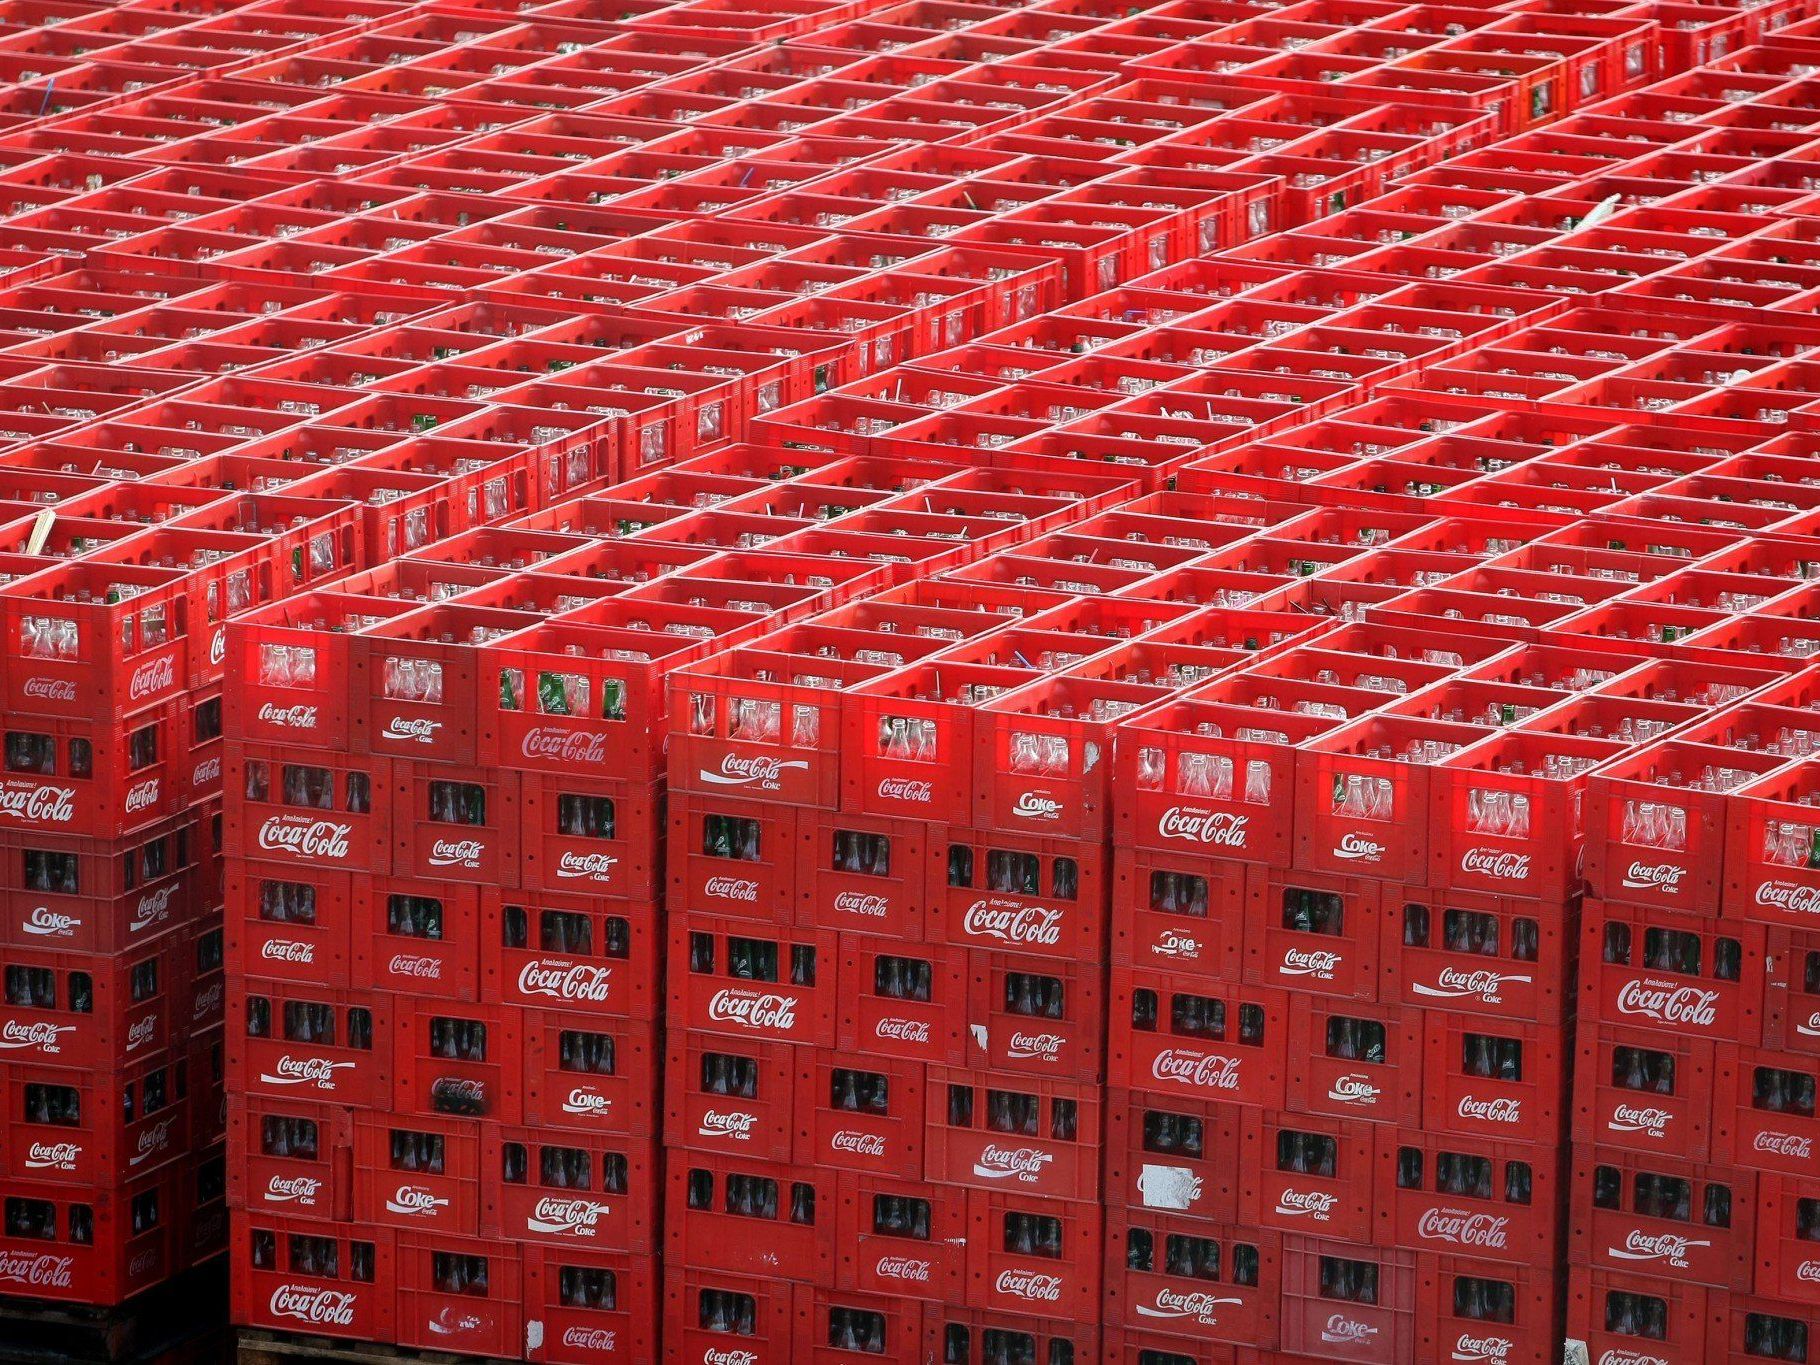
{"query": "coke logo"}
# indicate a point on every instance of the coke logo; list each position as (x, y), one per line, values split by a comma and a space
(1319, 964)
(206, 772)
(566, 1217)
(40, 1272)
(141, 1033)
(1451, 983)
(1628, 1118)
(288, 717)
(578, 981)
(151, 1141)
(734, 1125)
(411, 730)
(906, 789)
(1345, 1331)
(47, 923)
(859, 903)
(594, 866)
(50, 689)
(1492, 1349)
(1667, 1247)
(1001, 1163)
(218, 645)
(1013, 924)
(753, 1009)
(152, 677)
(1669, 1004)
(729, 1357)
(1201, 1307)
(903, 1030)
(450, 1323)
(1660, 877)
(1203, 827)
(587, 1103)
(299, 1189)
(1786, 896)
(1205, 1071)
(416, 967)
(857, 1143)
(329, 1307)
(142, 795)
(564, 746)
(1031, 806)
(1490, 862)
(1808, 1272)
(457, 853)
(15, 1035)
(1811, 1028)
(731, 889)
(590, 1339)
(1784, 1144)
(316, 1071)
(1464, 1229)
(1315, 1204)
(153, 907)
(46, 805)
(415, 1202)
(906, 1268)
(1174, 943)
(762, 773)
(1501, 1110)
(298, 836)
(1630, 1358)
(208, 1003)
(1031, 1285)
(52, 1156)
(287, 950)
(1355, 1090)
(1357, 848)
(1039, 1047)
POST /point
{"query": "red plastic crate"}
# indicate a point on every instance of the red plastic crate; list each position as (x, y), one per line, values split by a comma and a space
(1173, 1154)
(709, 956)
(1009, 1133)
(316, 813)
(456, 822)
(591, 1306)
(1621, 1313)
(1176, 1036)
(554, 950)
(1357, 1060)
(1315, 1176)
(1645, 1091)
(1485, 955)
(294, 1276)
(1314, 933)
(1347, 1302)
(866, 874)
(75, 1010)
(457, 1293)
(1015, 893)
(1179, 912)
(72, 1126)
(1700, 977)
(582, 1071)
(713, 1205)
(742, 858)
(290, 1159)
(1678, 1220)
(456, 1059)
(904, 1000)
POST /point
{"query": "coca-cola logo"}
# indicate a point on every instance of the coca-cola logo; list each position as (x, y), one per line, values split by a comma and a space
(296, 1189)
(1667, 1247)
(1621, 1357)
(1783, 1144)
(316, 1071)
(207, 772)
(735, 1125)
(411, 730)
(52, 1156)
(1197, 1070)
(153, 676)
(906, 1268)
(906, 789)
(1789, 898)
(1492, 1350)
(305, 1303)
(1808, 1272)
(911, 1031)
(1316, 1205)
(1452, 984)
(152, 1141)
(299, 836)
(1357, 848)
(414, 1201)
(288, 717)
(1809, 1027)
(1491, 862)
(760, 1011)
(566, 1217)
(1630, 1118)
(1319, 963)
(1665, 877)
(1035, 806)
(141, 1032)
(1464, 1229)
(863, 904)
(218, 645)
(49, 689)
(550, 745)
(856, 1143)
(742, 889)
(142, 795)
(44, 922)
(1036, 1047)
(1499, 1110)
(44, 805)
(1203, 1308)
(207, 1003)
(594, 867)
(573, 981)
(587, 1103)
(154, 908)
(1668, 1003)
(1341, 1330)
(590, 1339)
(415, 967)
(1019, 925)
(1354, 1089)
(37, 1272)
(761, 774)
(288, 950)
(1024, 1164)
(16, 1035)
(1033, 1286)
(457, 853)
(1203, 827)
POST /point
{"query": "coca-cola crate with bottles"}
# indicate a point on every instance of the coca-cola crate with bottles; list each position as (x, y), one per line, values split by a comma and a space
(417, 1172)
(908, 1000)
(579, 1070)
(75, 1126)
(735, 858)
(1173, 1035)
(562, 950)
(1467, 1309)
(1178, 912)
(288, 1039)
(457, 1060)
(1037, 1016)
(1647, 1091)
(1764, 1109)
(1174, 1154)
(1307, 1174)
(96, 1245)
(1343, 1301)
(458, 1294)
(717, 1316)
(565, 1189)
(1187, 1278)
(751, 1217)
(86, 1010)
(862, 1112)
(291, 1159)
(1467, 1196)
(316, 810)
(587, 836)
(1349, 1059)
(75, 776)
(1620, 1314)
(323, 1279)
(1311, 932)
(1662, 1216)
(751, 980)
(1493, 1079)
(1483, 955)
(972, 1336)
(584, 1304)
(1703, 977)
(418, 936)
(1016, 893)
(457, 823)
(1012, 1133)
(100, 895)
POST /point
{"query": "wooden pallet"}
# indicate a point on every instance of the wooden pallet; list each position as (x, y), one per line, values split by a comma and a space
(256, 1346)
(181, 1322)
